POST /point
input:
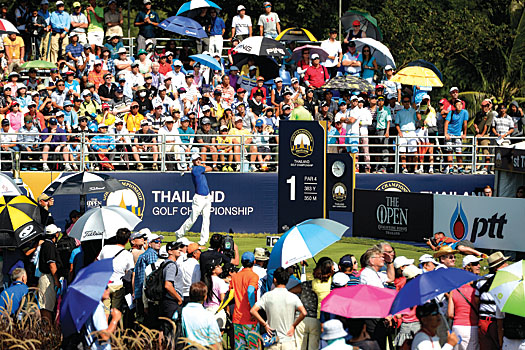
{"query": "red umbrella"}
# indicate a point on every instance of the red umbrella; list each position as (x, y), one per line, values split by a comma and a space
(361, 301)
(7, 27)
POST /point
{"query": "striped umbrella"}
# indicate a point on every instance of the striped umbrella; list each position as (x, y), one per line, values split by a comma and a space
(7, 27)
(20, 220)
(196, 5)
(261, 46)
(304, 241)
(508, 289)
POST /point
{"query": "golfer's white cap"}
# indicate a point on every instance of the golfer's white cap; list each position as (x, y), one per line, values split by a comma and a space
(470, 259)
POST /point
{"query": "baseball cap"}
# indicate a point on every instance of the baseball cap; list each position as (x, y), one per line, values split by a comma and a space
(391, 95)
(119, 89)
(169, 53)
(97, 62)
(324, 104)
(252, 67)
(287, 92)
(337, 118)
(44, 2)
(259, 122)
(177, 63)
(52, 229)
(192, 247)
(174, 246)
(122, 50)
(163, 253)
(147, 76)
(43, 197)
(342, 102)
(5, 122)
(260, 78)
(134, 64)
(100, 126)
(340, 280)
(154, 236)
(401, 261)
(147, 2)
(470, 259)
(314, 56)
(277, 80)
(169, 119)
(58, 3)
(72, 34)
(267, 3)
(217, 92)
(162, 88)
(240, 90)
(184, 119)
(189, 74)
(354, 97)
(144, 122)
(234, 68)
(427, 258)
(185, 241)
(346, 260)
(105, 105)
(60, 114)
(248, 256)
(32, 103)
(425, 97)
(356, 23)
(53, 121)
(76, 4)
(238, 119)
(286, 107)
(412, 271)
(294, 80)
(388, 67)
(67, 103)
(454, 88)
(205, 121)
(240, 8)
(333, 30)
(136, 235)
(223, 127)
(195, 156)
(206, 108)
(134, 103)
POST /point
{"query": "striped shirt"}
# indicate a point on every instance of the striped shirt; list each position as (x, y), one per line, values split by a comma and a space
(487, 305)
(503, 124)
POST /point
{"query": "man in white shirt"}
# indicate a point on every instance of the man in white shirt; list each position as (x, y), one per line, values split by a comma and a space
(163, 100)
(268, 23)
(122, 262)
(352, 125)
(191, 269)
(133, 80)
(123, 62)
(241, 24)
(178, 78)
(173, 148)
(333, 47)
(375, 259)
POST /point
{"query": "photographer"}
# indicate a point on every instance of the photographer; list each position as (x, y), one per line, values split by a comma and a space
(221, 247)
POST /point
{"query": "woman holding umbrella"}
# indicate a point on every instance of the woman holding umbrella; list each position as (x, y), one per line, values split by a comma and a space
(368, 64)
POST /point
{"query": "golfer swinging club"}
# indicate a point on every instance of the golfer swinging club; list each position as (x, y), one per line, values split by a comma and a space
(201, 201)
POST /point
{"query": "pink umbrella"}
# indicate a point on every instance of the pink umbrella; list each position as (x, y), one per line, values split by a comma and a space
(7, 27)
(298, 52)
(361, 301)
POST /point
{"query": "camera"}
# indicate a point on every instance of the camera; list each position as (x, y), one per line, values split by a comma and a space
(271, 240)
(224, 243)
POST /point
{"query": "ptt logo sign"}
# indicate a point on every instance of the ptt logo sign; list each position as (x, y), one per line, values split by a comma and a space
(481, 226)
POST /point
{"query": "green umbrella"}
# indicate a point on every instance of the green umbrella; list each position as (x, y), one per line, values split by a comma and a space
(38, 64)
(368, 24)
(508, 289)
(348, 82)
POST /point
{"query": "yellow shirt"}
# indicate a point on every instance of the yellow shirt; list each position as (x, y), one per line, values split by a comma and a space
(14, 47)
(133, 121)
(110, 119)
(322, 289)
(245, 70)
(237, 132)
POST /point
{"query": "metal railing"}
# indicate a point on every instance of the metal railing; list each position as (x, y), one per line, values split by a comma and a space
(244, 153)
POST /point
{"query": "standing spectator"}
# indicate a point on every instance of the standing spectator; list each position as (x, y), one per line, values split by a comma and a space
(352, 60)
(489, 338)
(216, 30)
(14, 50)
(454, 94)
(333, 47)
(269, 23)
(136, 240)
(390, 86)
(427, 338)
(316, 75)
(281, 307)
(383, 121)
(60, 24)
(49, 264)
(79, 23)
(483, 126)
(21, 20)
(146, 20)
(502, 126)
(405, 121)
(44, 12)
(199, 325)
(172, 295)
(455, 133)
(335, 335)
(375, 259)
(241, 24)
(95, 30)
(191, 269)
(356, 32)
(368, 64)
(147, 258)
(244, 285)
(113, 19)
(35, 28)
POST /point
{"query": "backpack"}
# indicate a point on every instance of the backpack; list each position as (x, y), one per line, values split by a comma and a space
(65, 246)
(154, 284)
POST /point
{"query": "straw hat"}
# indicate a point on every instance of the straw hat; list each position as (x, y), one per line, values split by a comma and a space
(496, 259)
(445, 250)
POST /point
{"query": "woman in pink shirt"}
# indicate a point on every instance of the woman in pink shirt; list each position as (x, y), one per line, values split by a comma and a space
(463, 308)
(15, 116)
(409, 322)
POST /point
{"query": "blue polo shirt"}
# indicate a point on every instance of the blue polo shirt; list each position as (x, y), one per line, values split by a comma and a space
(189, 132)
(455, 125)
(199, 180)
(12, 296)
(217, 26)
(406, 119)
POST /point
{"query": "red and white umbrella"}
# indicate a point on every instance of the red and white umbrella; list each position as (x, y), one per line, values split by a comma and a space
(7, 27)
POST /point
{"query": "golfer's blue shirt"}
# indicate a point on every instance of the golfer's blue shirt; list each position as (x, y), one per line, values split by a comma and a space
(199, 180)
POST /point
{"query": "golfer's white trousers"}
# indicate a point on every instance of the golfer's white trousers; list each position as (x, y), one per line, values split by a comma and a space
(201, 206)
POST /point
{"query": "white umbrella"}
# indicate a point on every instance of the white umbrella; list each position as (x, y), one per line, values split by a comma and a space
(7, 27)
(103, 223)
(378, 50)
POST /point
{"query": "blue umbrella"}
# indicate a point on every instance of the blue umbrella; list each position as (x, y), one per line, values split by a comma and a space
(206, 60)
(426, 64)
(304, 241)
(83, 295)
(429, 285)
(196, 4)
(183, 26)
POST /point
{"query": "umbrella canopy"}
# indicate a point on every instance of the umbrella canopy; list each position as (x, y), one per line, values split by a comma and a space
(417, 76)
(83, 183)
(304, 241)
(361, 301)
(381, 53)
(39, 64)
(348, 82)
(8, 187)
(20, 220)
(261, 46)
(183, 26)
(429, 285)
(7, 27)
(298, 52)
(268, 67)
(296, 34)
(426, 64)
(206, 60)
(368, 23)
(195, 5)
(103, 223)
(508, 289)
(83, 295)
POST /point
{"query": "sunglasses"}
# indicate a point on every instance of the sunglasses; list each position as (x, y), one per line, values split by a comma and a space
(451, 257)
(133, 107)
(406, 101)
(156, 241)
(474, 263)
(61, 85)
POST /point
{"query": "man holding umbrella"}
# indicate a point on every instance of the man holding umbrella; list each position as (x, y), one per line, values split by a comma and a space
(49, 264)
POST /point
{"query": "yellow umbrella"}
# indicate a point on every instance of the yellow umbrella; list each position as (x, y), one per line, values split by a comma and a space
(419, 76)
(20, 219)
(296, 34)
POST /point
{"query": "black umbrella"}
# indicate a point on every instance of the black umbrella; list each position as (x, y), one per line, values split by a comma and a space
(83, 183)
(268, 67)
(261, 46)
(348, 82)
(426, 64)
(20, 220)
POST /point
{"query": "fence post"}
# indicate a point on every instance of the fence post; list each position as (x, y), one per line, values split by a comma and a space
(82, 144)
(475, 154)
(242, 154)
(163, 154)
(396, 156)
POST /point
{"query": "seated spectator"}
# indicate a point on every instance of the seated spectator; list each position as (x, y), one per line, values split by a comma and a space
(120, 103)
(104, 145)
(72, 153)
(145, 141)
(27, 141)
(206, 136)
(236, 139)
(169, 134)
(55, 142)
(316, 75)
(114, 44)
(14, 116)
(157, 117)
(259, 87)
(224, 147)
(7, 143)
(13, 298)
(96, 76)
(257, 103)
(247, 117)
(89, 107)
(70, 116)
(133, 118)
(106, 118)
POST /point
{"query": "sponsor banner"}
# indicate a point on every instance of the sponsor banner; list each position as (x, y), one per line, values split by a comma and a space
(510, 159)
(399, 216)
(438, 184)
(491, 223)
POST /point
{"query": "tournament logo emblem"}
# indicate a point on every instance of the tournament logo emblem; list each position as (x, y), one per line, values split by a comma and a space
(393, 186)
(339, 192)
(498, 161)
(131, 198)
(302, 143)
(459, 223)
